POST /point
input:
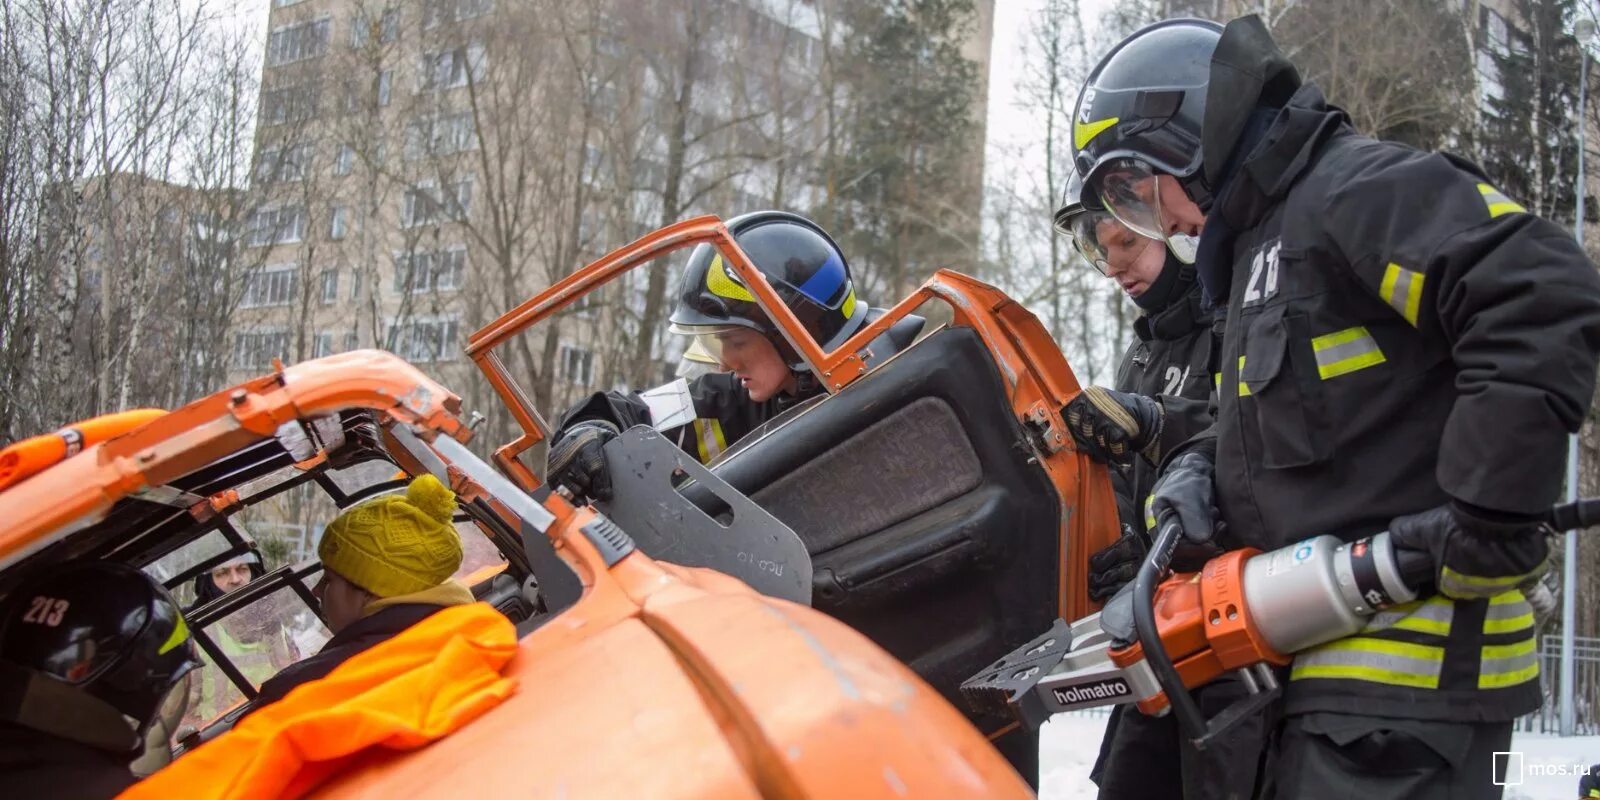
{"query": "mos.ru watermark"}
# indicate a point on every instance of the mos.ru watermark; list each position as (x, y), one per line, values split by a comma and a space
(1512, 769)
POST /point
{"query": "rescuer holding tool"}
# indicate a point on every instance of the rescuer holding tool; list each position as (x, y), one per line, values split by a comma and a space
(1405, 349)
(761, 374)
(1166, 380)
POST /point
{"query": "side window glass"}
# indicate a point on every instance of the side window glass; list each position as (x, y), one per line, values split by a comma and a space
(259, 640)
(480, 560)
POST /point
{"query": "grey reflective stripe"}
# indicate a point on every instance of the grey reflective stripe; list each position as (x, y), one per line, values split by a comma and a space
(1402, 289)
(1433, 616)
(1498, 203)
(1508, 613)
(1374, 660)
(1508, 665)
(1345, 351)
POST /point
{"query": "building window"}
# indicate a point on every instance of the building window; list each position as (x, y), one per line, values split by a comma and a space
(425, 340)
(272, 285)
(420, 272)
(450, 69)
(441, 12)
(362, 27)
(297, 42)
(281, 225)
(330, 287)
(255, 350)
(425, 204)
(577, 365)
(285, 104)
(384, 79)
(322, 346)
(338, 222)
(352, 340)
(288, 163)
(345, 160)
(441, 135)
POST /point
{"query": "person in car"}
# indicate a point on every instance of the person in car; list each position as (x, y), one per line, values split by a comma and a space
(761, 376)
(254, 639)
(95, 662)
(386, 565)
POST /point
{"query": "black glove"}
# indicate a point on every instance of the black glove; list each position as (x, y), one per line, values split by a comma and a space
(1475, 553)
(577, 460)
(1111, 426)
(1184, 492)
(1116, 564)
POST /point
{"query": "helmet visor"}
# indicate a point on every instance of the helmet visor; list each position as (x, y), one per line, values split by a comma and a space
(712, 342)
(1131, 191)
(1105, 242)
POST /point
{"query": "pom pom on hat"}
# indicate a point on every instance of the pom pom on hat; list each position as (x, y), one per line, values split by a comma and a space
(396, 544)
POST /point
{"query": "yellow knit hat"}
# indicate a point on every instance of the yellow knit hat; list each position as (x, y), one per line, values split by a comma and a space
(396, 544)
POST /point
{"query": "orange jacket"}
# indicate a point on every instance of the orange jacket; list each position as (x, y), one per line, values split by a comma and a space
(404, 693)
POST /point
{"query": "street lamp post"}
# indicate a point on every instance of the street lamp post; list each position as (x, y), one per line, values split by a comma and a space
(1584, 29)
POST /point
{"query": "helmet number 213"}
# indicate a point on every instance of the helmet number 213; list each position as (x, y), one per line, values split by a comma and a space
(45, 611)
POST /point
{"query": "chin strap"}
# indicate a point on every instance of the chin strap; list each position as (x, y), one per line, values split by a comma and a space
(38, 701)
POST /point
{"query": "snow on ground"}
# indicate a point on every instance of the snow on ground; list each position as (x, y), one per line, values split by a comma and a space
(1550, 765)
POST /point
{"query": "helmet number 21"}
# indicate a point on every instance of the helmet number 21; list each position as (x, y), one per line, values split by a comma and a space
(1263, 287)
(45, 611)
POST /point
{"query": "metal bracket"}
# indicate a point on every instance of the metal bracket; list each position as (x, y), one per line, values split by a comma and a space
(753, 547)
(1040, 423)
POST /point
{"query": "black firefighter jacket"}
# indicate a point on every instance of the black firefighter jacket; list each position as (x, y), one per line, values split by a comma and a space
(1398, 333)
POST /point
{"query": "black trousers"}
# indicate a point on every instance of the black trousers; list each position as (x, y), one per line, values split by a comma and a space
(1349, 756)
(1143, 756)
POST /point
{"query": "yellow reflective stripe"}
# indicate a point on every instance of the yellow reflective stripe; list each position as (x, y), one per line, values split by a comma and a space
(1084, 132)
(1507, 665)
(1498, 203)
(1509, 612)
(1460, 586)
(718, 443)
(1433, 616)
(1244, 389)
(1344, 352)
(722, 284)
(1216, 380)
(849, 306)
(179, 635)
(700, 441)
(1372, 660)
(1402, 290)
(1149, 513)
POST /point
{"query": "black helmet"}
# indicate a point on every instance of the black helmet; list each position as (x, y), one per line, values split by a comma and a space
(102, 629)
(798, 258)
(1146, 101)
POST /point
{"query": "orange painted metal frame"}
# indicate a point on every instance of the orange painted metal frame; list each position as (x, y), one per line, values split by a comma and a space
(1036, 375)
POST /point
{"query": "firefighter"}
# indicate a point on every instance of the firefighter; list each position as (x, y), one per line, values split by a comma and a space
(761, 375)
(387, 564)
(1406, 349)
(95, 662)
(1589, 784)
(1166, 378)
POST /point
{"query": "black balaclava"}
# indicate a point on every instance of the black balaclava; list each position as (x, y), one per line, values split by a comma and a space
(1169, 287)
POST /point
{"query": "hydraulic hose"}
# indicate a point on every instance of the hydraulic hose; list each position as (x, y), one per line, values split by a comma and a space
(1190, 720)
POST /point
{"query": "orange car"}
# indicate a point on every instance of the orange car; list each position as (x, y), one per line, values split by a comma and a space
(638, 666)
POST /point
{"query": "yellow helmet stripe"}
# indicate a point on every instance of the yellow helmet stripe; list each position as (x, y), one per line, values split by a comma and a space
(180, 634)
(1084, 132)
(722, 284)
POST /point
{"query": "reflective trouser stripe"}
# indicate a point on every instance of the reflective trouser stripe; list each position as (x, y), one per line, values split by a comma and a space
(1467, 587)
(1498, 203)
(1431, 616)
(1244, 390)
(1507, 665)
(1508, 613)
(708, 439)
(1402, 290)
(1374, 660)
(1149, 512)
(1346, 351)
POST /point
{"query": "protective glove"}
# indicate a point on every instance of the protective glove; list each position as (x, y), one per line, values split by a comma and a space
(1474, 555)
(577, 460)
(1184, 491)
(1111, 426)
(1116, 564)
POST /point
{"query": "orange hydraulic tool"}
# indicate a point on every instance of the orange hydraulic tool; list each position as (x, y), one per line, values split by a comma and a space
(1243, 611)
